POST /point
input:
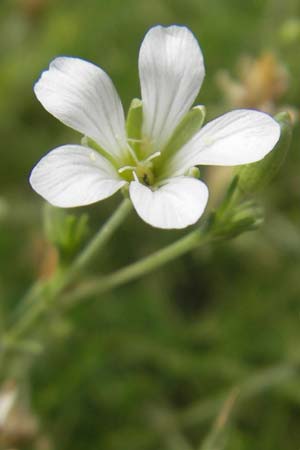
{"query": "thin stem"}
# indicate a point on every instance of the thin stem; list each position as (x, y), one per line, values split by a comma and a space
(216, 438)
(100, 239)
(44, 294)
(251, 386)
(139, 268)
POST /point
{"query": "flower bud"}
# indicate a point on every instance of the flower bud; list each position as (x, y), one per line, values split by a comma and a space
(65, 231)
(246, 216)
(254, 177)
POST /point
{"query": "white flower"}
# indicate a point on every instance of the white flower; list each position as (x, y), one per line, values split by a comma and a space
(171, 70)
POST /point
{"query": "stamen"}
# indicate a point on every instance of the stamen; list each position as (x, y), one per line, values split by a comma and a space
(153, 156)
(135, 176)
(124, 168)
(134, 140)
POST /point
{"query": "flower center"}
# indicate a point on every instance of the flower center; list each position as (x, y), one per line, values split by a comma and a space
(145, 175)
(142, 171)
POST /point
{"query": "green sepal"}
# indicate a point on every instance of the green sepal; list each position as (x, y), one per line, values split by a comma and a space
(134, 119)
(134, 124)
(65, 231)
(185, 130)
(230, 196)
(254, 177)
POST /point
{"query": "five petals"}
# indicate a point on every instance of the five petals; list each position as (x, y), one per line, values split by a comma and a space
(171, 69)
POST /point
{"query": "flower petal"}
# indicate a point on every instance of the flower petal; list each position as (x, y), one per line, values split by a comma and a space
(178, 203)
(73, 175)
(82, 96)
(171, 72)
(238, 137)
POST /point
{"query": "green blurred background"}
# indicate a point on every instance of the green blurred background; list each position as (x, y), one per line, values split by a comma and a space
(148, 366)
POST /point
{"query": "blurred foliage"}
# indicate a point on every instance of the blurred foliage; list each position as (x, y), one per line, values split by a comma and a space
(138, 369)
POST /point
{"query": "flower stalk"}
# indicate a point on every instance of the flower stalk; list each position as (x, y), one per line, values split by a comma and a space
(42, 295)
(139, 268)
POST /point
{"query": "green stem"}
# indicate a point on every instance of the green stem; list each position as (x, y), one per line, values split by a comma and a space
(139, 268)
(251, 386)
(97, 242)
(43, 294)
